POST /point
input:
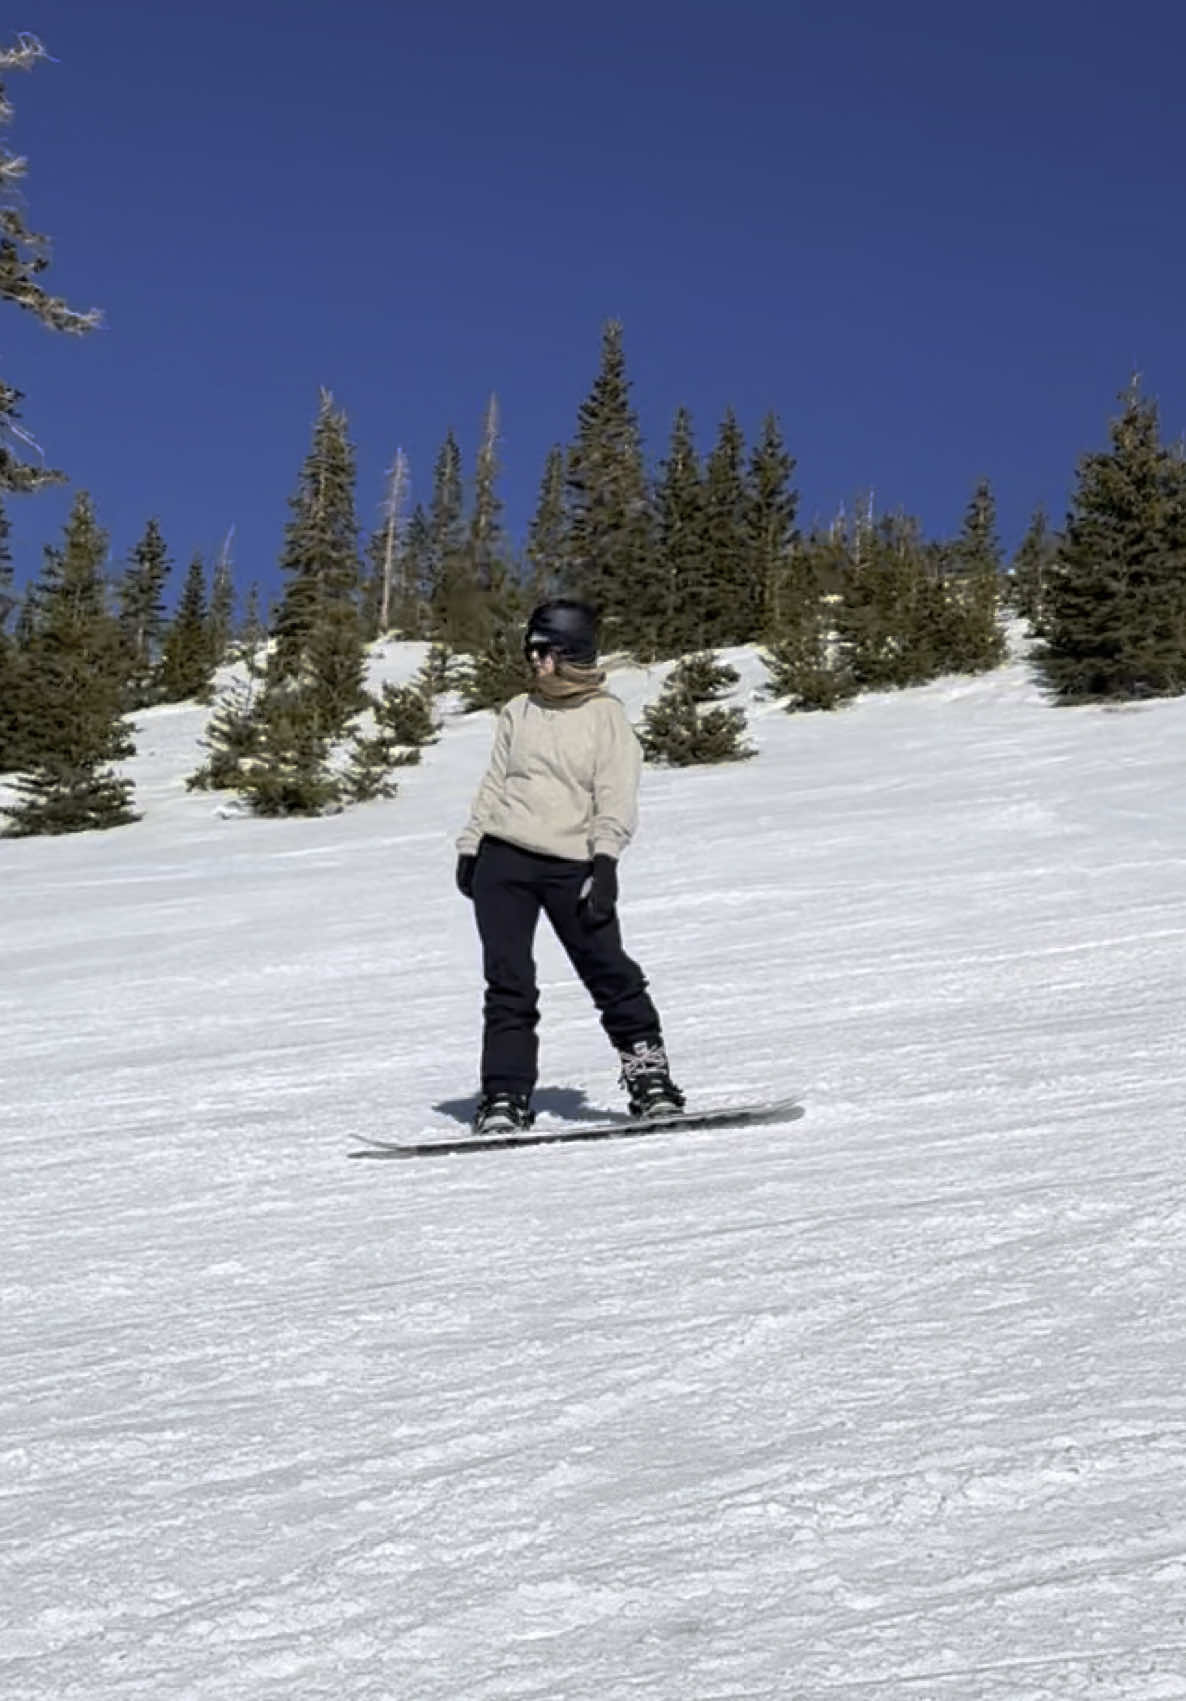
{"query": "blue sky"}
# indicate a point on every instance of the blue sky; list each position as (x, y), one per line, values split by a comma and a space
(935, 239)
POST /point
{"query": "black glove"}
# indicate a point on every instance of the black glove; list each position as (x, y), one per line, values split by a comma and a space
(599, 894)
(465, 875)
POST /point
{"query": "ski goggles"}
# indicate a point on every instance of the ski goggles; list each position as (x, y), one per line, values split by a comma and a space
(536, 648)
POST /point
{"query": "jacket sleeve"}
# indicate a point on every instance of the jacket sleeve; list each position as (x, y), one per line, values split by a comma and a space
(615, 784)
(490, 790)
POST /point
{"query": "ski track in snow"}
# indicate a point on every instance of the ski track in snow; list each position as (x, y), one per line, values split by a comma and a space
(884, 1403)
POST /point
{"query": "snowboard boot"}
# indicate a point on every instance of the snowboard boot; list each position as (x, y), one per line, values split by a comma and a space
(502, 1113)
(646, 1078)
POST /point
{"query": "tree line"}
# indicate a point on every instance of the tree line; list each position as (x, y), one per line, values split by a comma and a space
(695, 554)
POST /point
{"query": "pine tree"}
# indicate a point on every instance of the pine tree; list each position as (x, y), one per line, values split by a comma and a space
(438, 673)
(290, 772)
(26, 619)
(771, 506)
(729, 616)
(403, 724)
(415, 571)
(371, 594)
(234, 735)
(24, 257)
(141, 594)
(187, 661)
(17, 475)
(479, 602)
(72, 727)
(976, 639)
(370, 759)
(496, 670)
(803, 656)
(885, 633)
(499, 671)
(319, 636)
(547, 534)
(681, 731)
(12, 687)
(279, 751)
(704, 679)
(251, 634)
(670, 599)
(7, 593)
(486, 544)
(1116, 595)
(1030, 569)
(10, 661)
(405, 712)
(447, 560)
(610, 530)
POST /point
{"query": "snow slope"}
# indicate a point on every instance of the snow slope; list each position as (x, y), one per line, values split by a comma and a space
(885, 1403)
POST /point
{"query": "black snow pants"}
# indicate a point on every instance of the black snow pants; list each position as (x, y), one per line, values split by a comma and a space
(511, 886)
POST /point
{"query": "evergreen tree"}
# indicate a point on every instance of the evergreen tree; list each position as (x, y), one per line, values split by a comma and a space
(370, 759)
(679, 730)
(979, 548)
(319, 638)
(7, 593)
(234, 736)
(187, 661)
(10, 661)
(447, 557)
(290, 772)
(72, 730)
(771, 506)
(670, 605)
(1030, 569)
(438, 674)
(24, 257)
(17, 475)
(733, 603)
(499, 671)
(803, 655)
(26, 619)
(415, 570)
(1116, 596)
(802, 673)
(252, 634)
(278, 750)
(547, 534)
(141, 594)
(403, 724)
(610, 531)
(978, 642)
(885, 614)
(479, 593)
(12, 688)
(371, 594)
(487, 547)
(405, 712)
(704, 679)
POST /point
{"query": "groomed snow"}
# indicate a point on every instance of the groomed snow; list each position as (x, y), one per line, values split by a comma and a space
(887, 1404)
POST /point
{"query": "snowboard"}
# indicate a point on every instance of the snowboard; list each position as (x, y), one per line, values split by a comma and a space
(687, 1121)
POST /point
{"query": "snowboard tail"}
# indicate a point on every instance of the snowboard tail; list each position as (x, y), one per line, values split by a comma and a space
(687, 1121)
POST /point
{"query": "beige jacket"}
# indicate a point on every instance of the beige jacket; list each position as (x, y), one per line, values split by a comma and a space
(563, 780)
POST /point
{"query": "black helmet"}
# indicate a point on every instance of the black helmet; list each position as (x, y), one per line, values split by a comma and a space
(566, 627)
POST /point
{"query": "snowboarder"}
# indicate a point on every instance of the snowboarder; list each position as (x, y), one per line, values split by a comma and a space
(555, 810)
